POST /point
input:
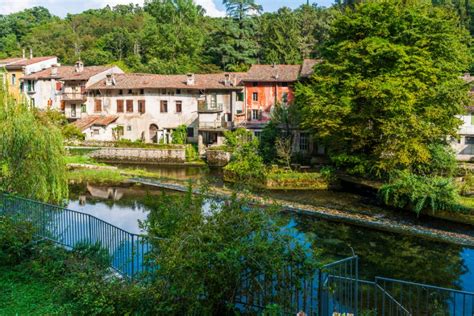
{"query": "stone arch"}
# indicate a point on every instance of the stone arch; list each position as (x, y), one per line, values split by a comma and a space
(153, 133)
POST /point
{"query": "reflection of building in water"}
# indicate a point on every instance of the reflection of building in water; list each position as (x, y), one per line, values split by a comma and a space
(105, 193)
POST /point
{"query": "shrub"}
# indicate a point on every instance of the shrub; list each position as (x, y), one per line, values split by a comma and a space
(16, 241)
(192, 153)
(418, 193)
(179, 135)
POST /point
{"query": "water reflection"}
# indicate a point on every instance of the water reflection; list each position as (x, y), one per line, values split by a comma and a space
(381, 253)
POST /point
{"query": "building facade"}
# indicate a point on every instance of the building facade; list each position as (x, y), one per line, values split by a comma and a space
(150, 107)
(24, 67)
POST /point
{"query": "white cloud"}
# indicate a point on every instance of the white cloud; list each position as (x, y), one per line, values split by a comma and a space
(60, 7)
(9, 6)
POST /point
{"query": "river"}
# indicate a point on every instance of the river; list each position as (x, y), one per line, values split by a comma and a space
(381, 253)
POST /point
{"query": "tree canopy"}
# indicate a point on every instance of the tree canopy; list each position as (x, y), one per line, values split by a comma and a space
(389, 86)
(31, 154)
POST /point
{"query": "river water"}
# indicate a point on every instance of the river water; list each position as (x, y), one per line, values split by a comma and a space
(381, 253)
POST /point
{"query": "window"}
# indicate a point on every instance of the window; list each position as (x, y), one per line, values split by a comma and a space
(95, 131)
(304, 141)
(256, 115)
(255, 84)
(59, 86)
(73, 110)
(258, 134)
(32, 102)
(13, 79)
(142, 91)
(284, 84)
(240, 96)
(190, 132)
(83, 108)
(178, 91)
(129, 128)
(129, 106)
(141, 106)
(163, 106)
(469, 140)
(179, 106)
(213, 101)
(120, 92)
(98, 106)
(255, 96)
(30, 86)
(119, 106)
(130, 91)
(284, 98)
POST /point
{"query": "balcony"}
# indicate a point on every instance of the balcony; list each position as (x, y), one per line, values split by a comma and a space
(209, 108)
(215, 125)
(74, 96)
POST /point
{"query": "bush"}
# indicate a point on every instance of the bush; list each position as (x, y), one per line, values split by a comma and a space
(179, 135)
(72, 132)
(16, 241)
(418, 193)
(246, 164)
(192, 153)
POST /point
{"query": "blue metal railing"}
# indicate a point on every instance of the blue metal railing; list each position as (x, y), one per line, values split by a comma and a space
(333, 289)
(70, 228)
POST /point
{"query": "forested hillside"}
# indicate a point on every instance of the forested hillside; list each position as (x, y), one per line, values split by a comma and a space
(176, 36)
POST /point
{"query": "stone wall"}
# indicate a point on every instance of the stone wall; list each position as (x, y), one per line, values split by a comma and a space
(217, 158)
(141, 155)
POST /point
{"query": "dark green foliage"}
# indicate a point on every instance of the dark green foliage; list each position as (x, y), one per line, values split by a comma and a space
(267, 148)
(206, 253)
(421, 193)
(388, 87)
(16, 241)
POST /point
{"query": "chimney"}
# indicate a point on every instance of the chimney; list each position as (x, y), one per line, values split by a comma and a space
(54, 70)
(31, 53)
(24, 52)
(110, 80)
(190, 80)
(79, 66)
(227, 80)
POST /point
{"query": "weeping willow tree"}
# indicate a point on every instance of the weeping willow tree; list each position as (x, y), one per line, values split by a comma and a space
(31, 153)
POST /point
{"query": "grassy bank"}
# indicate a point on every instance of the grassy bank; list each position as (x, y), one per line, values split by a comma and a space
(26, 294)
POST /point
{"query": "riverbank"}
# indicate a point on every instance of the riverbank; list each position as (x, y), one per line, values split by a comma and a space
(461, 235)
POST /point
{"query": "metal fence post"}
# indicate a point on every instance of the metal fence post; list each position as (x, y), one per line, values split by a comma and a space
(320, 293)
(133, 257)
(356, 285)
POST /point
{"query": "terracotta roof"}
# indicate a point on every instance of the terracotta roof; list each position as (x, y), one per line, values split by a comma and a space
(97, 120)
(27, 62)
(86, 73)
(11, 60)
(273, 73)
(46, 73)
(308, 66)
(68, 73)
(141, 81)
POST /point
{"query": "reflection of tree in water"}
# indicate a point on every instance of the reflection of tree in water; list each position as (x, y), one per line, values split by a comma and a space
(388, 254)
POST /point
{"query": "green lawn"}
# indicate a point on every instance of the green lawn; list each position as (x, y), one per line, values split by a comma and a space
(21, 294)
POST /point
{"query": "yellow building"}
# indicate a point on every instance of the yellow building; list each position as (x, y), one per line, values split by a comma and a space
(15, 68)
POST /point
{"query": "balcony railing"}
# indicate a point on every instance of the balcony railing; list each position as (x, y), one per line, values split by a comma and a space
(215, 125)
(74, 96)
(210, 108)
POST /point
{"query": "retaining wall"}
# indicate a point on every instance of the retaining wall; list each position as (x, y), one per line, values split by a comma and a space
(141, 155)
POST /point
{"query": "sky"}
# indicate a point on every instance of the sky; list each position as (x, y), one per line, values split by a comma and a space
(62, 7)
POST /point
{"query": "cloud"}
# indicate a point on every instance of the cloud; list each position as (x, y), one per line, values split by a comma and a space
(208, 5)
(61, 7)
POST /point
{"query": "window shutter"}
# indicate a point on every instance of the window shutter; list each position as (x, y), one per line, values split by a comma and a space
(249, 115)
(260, 115)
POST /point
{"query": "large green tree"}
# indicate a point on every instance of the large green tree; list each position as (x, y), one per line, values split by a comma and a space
(389, 86)
(31, 153)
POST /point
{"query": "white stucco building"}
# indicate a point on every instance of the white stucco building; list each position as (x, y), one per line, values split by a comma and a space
(64, 87)
(149, 107)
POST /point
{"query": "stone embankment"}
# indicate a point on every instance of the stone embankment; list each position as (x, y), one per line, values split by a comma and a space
(375, 221)
(141, 155)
